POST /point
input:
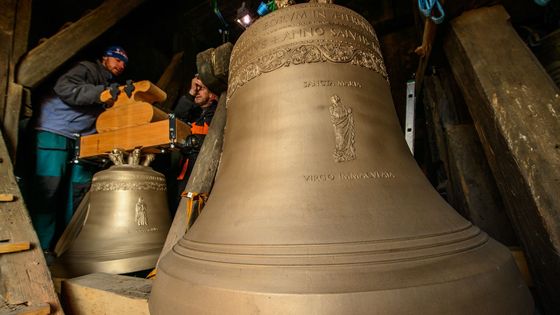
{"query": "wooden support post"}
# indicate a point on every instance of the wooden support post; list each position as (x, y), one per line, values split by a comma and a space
(44, 59)
(24, 276)
(172, 81)
(202, 176)
(14, 29)
(516, 109)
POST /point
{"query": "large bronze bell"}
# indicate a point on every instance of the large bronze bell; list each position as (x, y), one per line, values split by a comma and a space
(318, 206)
(121, 226)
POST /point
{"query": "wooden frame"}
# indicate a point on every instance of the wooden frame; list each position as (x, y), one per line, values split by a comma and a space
(154, 135)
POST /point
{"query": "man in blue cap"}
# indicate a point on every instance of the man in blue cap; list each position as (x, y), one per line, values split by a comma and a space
(69, 111)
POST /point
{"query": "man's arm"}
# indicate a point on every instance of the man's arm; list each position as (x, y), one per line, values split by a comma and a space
(184, 108)
(77, 87)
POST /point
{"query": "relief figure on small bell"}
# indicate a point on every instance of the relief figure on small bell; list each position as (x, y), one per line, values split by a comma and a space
(141, 212)
(342, 119)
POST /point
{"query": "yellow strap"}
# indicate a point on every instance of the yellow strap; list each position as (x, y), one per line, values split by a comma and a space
(152, 274)
(191, 198)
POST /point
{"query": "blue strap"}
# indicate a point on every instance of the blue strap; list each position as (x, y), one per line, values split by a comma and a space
(542, 3)
(426, 7)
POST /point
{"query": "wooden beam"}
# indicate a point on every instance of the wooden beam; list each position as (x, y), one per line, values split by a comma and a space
(44, 59)
(152, 135)
(202, 176)
(516, 110)
(100, 293)
(172, 81)
(471, 188)
(24, 276)
(7, 20)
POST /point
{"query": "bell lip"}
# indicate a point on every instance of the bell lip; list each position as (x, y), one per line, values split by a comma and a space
(467, 279)
(62, 269)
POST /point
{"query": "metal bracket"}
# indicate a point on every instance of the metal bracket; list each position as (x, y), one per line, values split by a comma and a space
(100, 163)
(76, 157)
(410, 113)
(172, 130)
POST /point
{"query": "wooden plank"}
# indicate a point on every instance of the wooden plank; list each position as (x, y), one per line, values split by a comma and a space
(24, 276)
(516, 109)
(42, 309)
(44, 59)
(202, 176)
(14, 247)
(100, 293)
(14, 102)
(154, 134)
(7, 197)
(172, 81)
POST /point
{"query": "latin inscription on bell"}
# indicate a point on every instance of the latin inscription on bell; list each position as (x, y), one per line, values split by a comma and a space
(349, 176)
(331, 83)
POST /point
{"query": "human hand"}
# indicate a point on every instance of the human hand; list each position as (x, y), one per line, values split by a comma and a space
(196, 85)
(110, 94)
(114, 91)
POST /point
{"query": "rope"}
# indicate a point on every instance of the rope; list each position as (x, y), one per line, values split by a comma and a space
(426, 7)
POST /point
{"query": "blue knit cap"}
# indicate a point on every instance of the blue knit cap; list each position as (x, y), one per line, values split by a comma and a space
(116, 52)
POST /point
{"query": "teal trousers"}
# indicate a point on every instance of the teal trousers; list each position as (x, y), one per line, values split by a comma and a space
(57, 186)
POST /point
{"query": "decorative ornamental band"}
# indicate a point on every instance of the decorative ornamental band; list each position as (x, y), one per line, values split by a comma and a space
(114, 186)
(338, 52)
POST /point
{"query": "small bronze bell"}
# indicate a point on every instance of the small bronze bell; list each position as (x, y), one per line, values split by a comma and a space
(318, 206)
(121, 226)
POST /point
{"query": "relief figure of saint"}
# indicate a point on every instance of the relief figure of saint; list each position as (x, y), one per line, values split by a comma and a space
(141, 212)
(342, 119)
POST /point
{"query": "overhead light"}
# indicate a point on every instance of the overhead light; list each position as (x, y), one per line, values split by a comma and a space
(244, 17)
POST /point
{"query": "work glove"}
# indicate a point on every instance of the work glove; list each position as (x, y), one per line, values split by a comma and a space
(114, 90)
(129, 88)
(109, 95)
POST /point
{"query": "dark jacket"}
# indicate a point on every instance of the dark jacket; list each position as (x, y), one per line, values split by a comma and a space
(187, 111)
(74, 105)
